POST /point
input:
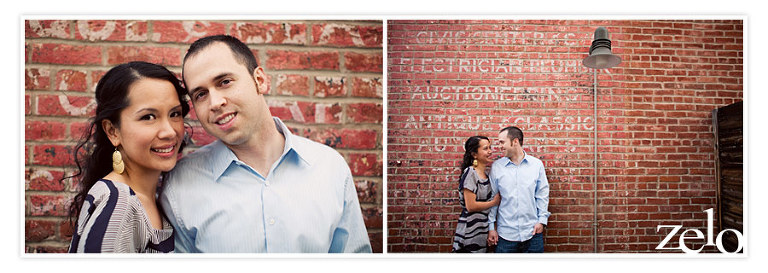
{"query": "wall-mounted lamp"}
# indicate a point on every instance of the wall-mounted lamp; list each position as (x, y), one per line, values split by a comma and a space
(600, 57)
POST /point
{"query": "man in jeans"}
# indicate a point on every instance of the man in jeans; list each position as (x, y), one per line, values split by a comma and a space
(517, 224)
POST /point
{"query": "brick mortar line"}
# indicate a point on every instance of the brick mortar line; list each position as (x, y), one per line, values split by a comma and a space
(340, 100)
(185, 45)
(319, 73)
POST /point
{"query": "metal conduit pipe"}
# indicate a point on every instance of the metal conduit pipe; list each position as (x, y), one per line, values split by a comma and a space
(594, 182)
(600, 57)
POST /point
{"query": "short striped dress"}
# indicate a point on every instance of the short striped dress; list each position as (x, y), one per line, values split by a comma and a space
(472, 229)
(112, 219)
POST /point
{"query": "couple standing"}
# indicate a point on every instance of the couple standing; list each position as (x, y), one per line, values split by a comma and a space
(508, 206)
(258, 188)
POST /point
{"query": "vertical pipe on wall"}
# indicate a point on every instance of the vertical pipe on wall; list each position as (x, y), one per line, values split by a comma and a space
(594, 182)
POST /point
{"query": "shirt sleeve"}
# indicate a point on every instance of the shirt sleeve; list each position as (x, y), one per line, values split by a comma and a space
(350, 234)
(470, 180)
(110, 222)
(542, 196)
(495, 190)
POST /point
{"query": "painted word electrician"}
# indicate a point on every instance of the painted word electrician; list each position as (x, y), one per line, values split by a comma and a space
(258, 188)
(517, 223)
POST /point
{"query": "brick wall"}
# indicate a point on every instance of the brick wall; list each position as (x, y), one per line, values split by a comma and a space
(448, 80)
(325, 78)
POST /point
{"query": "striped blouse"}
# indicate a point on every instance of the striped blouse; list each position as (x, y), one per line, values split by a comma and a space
(112, 219)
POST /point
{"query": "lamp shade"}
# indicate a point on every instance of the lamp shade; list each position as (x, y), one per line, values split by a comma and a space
(600, 55)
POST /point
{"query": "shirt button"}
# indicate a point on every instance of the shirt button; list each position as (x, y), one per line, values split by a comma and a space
(271, 221)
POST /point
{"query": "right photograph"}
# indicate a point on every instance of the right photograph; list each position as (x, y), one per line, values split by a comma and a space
(566, 136)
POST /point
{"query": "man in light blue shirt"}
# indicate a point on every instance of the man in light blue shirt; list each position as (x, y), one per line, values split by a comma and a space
(258, 188)
(517, 224)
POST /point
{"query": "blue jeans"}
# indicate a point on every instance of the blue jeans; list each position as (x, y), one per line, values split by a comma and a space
(533, 245)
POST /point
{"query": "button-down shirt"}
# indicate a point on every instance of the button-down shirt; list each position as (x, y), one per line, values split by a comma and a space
(524, 197)
(306, 203)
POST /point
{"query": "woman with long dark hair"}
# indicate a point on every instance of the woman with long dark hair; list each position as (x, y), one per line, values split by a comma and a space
(134, 139)
(475, 196)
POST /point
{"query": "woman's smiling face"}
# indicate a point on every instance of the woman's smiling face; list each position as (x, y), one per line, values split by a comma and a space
(151, 126)
(484, 151)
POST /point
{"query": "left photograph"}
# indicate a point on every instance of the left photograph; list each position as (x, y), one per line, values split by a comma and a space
(207, 136)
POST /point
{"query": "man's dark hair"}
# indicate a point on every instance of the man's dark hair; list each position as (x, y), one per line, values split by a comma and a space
(242, 53)
(514, 133)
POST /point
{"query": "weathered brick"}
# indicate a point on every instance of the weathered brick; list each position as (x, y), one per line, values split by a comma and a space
(119, 30)
(361, 62)
(282, 59)
(66, 54)
(373, 218)
(38, 179)
(347, 35)
(364, 164)
(345, 138)
(376, 241)
(38, 230)
(270, 33)
(330, 87)
(46, 29)
(307, 112)
(78, 129)
(46, 249)
(367, 191)
(48, 205)
(71, 80)
(95, 77)
(160, 55)
(37, 79)
(296, 85)
(327, 113)
(366, 87)
(27, 104)
(62, 105)
(66, 230)
(358, 139)
(365, 112)
(44, 130)
(52, 155)
(184, 31)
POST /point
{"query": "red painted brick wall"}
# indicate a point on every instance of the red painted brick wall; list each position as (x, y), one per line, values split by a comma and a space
(325, 83)
(448, 80)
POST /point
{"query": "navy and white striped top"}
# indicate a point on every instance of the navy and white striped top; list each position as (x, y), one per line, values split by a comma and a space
(112, 219)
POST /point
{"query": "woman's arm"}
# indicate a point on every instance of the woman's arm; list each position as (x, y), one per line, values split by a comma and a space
(475, 206)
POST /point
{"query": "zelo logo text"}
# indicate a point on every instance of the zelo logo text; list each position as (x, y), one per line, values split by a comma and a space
(718, 241)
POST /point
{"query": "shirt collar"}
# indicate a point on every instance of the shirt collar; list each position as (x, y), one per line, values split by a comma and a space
(222, 157)
(509, 161)
(292, 143)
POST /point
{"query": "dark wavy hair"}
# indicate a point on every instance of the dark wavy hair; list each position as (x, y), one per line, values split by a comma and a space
(471, 146)
(93, 153)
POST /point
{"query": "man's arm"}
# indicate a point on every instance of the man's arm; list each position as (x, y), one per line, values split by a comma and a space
(542, 196)
(493, 236)
(350, 235)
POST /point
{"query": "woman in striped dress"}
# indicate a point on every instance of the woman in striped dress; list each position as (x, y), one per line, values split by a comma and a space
(134, 139)
(475, 197)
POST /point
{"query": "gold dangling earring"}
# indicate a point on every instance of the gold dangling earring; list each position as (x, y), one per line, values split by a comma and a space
(474, 163)
(117, 162)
